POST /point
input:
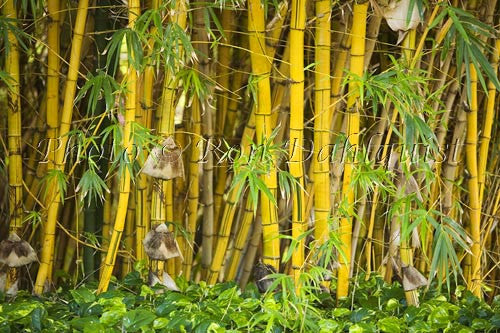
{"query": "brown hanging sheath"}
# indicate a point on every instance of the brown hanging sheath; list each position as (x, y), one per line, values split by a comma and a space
(165, 162)
(15, 252)
(167, 281)
(408, 276)
(160, 244)
(412, 278)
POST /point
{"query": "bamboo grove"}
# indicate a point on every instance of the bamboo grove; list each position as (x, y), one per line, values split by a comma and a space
(329, 140)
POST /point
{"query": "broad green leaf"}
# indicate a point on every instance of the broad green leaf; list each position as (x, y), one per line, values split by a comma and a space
(82, 295)
(113, 316)
(389, 325)
(81, 323)
(135, 319)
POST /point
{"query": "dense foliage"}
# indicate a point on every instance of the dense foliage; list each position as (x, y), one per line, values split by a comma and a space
(323, 140)
(132, 306)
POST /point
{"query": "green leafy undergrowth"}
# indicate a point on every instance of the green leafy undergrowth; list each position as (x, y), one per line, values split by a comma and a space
(131, 306)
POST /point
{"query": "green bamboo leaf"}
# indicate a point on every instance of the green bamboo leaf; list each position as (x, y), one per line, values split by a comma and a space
(438, 20)
(6, 79)
(458, 25)
(482, 63)
(91, 186)
(58, 180)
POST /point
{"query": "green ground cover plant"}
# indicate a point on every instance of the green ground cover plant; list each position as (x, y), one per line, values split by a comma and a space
(131, 305)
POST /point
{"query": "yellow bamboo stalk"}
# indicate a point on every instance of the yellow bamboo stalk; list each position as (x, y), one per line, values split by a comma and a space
(47, 255)
(53, 64)
(357, 65)
(322, 120)
(180, 207)
(223, 101)
(128, 235)
(473, 187)
(134, 11)
(229, 209)
(14, 127)
(297, 26)
(488, 124)
(143, 117)
(240, 241)
(260, 69)
(193, 185)
(14, 136)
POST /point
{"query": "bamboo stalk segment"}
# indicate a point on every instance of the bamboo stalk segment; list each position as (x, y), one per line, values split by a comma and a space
(229, 210)
(488, 124)
(474, 281)
(131, 104)
(353, 115)
(53, 63)
(14, 126)
(263, 129)
(295, 163)
(65, 125)
(322, 120)
(193, 186)
(240, 241)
